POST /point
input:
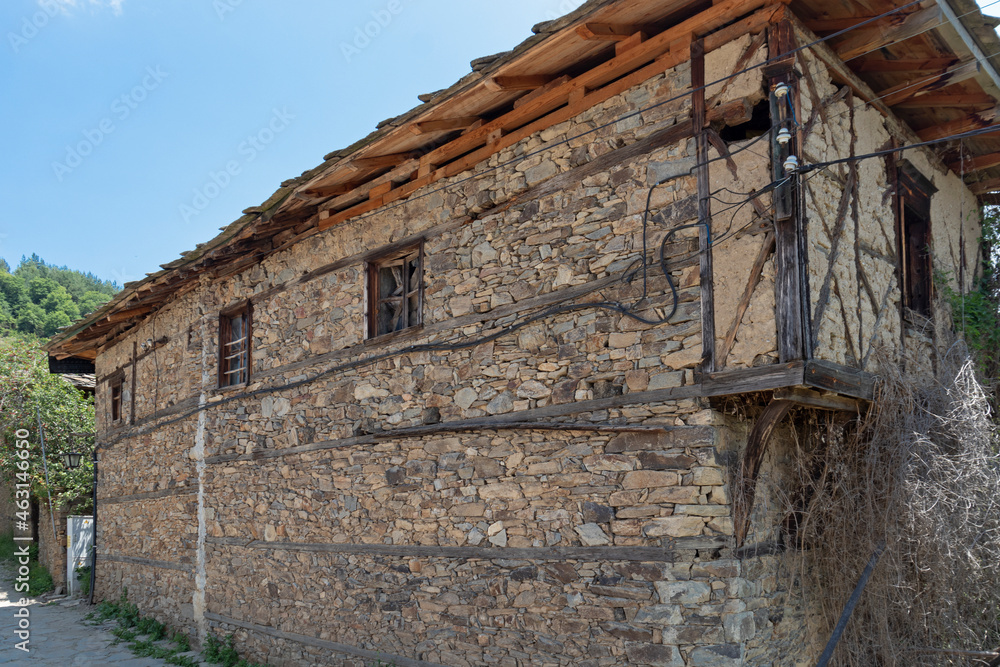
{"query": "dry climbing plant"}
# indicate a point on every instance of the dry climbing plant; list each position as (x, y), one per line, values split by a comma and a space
(921, 473)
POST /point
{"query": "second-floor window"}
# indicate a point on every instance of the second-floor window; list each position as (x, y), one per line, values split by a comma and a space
(234, 346)
(116, 400)
(395, 291)
(915, 239)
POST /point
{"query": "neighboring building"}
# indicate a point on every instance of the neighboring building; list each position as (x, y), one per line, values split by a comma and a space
(420, 404)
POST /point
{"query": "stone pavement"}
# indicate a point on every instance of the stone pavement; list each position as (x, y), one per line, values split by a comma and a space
(58, 634)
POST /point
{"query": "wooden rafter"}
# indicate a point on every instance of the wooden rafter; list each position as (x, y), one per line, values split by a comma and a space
(953, 100)
(886, 31)
(827, 25)
(526, 82)
(443, 125)
(983, 187)
(976, 163)
(665, 50)
(380, 161)
(929, 81)
(873, 64)
(606, 31)
(969, 122)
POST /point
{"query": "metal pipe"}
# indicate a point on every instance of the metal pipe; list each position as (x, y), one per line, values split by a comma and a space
(849, 607)
(93, 546)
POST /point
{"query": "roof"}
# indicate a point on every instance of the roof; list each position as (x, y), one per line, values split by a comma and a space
(920, 61)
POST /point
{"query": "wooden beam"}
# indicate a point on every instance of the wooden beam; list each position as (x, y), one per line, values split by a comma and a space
(334, 190)
(443, 125)
(381, 161)
(630, 43)
(126, 315)
(814, 399)
(983, 187)
(873, 64)
(606, 80)
(750, 462)
(526, 82)
(887, 31)
(554, 83)
(969, 122)
(953, 100)
(840, 379)
(975, 163)
(819, 26)
(705, 274)
(608, 32)
(929, 81)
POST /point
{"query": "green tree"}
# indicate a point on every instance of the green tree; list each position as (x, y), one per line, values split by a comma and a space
(31, 319)
(92, 300)
(26, 390)
(13, 289)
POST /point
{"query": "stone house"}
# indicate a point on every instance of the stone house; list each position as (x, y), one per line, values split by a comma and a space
(470, 392)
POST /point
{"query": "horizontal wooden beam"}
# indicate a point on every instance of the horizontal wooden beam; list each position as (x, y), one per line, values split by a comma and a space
(872, 64)
(609, 32)
(819, 26)
(815, 399)
(125, 315)
(975, 163)
(334, 190)
(443, 125)
(983, 187)
(381, 161)
(953, 100)
(929, 81)
(969, 122)
(886, 31)
(526, 82)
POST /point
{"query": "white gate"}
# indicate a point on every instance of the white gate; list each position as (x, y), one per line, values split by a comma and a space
(79, 538)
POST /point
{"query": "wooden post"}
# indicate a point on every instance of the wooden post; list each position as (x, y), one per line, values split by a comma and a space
(704, 208)
(788, 230)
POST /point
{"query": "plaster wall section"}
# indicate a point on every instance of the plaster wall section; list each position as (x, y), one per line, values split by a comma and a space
(739, 169)
(850, 223)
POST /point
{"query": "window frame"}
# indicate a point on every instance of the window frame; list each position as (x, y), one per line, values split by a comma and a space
(226, 317)
(913, 235)
(115, 388)
(373, 292)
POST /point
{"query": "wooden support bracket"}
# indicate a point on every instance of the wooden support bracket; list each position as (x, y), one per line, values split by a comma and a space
(753, 455)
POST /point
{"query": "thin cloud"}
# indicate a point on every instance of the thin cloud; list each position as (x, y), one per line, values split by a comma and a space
(66, 6)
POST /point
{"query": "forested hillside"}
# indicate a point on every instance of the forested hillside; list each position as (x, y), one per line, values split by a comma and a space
(39, 298)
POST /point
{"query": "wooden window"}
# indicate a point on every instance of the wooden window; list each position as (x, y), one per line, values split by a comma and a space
(116, 400)
(234, 346)
(914, 230)
(395, 291)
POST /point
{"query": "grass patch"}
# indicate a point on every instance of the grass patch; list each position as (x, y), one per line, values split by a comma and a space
(39, 579)
(132, 625)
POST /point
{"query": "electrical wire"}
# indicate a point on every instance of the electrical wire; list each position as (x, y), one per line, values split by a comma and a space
(604, 305)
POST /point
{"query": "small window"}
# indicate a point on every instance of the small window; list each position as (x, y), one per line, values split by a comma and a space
(116, 400)
(395, 291)
(234, 346)
(915, 238)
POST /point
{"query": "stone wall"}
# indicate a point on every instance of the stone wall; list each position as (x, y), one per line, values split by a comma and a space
(552, 495)
(52, 548)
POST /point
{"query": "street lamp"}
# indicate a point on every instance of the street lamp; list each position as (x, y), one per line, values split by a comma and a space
(72, 462)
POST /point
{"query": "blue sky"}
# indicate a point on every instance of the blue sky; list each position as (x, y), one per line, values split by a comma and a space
(116, 114)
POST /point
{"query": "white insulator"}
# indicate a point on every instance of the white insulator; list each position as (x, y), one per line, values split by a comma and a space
(791, 164)
(781, 90)
(784, 136)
